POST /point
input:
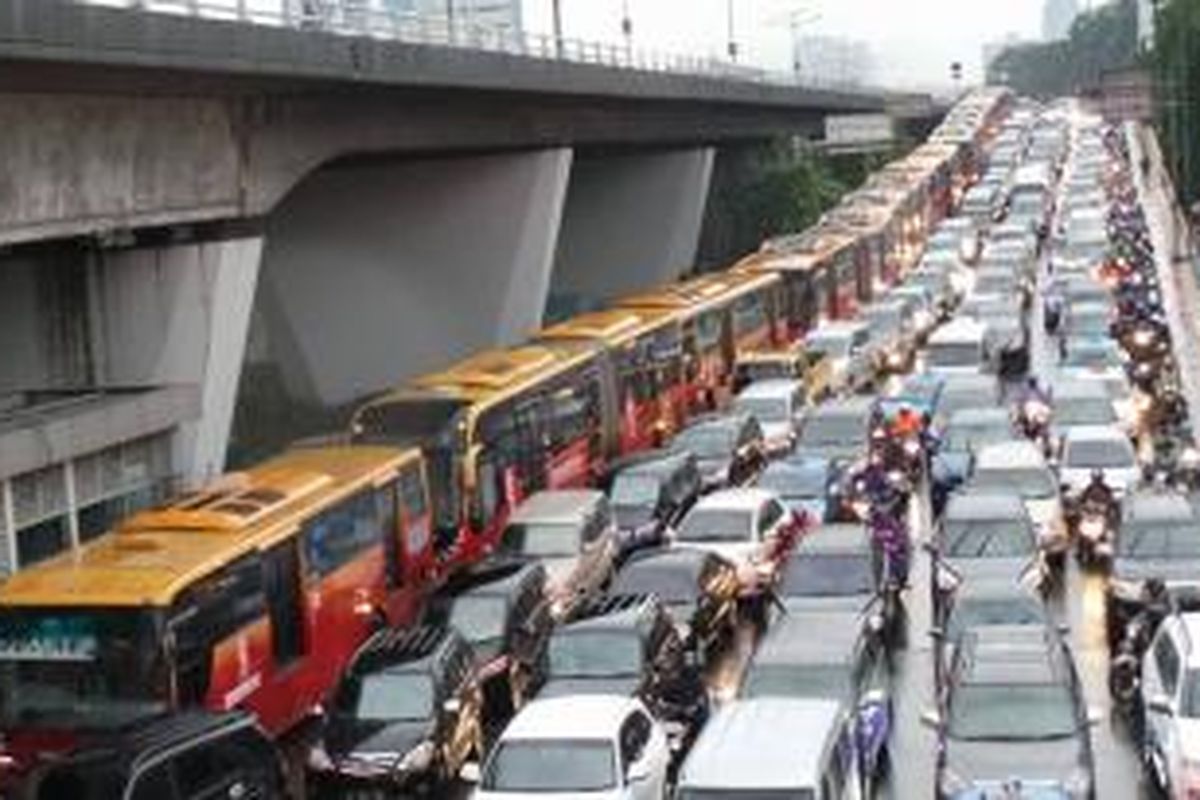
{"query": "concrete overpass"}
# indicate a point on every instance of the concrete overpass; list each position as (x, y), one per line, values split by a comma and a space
(338, 207)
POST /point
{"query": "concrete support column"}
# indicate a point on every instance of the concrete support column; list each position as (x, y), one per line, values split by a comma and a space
(631, 222)
(378, 271)
(179, 314)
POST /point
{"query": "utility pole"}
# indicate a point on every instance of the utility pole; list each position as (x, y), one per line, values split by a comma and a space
(733, 47)
(627, 29)
(556, 8)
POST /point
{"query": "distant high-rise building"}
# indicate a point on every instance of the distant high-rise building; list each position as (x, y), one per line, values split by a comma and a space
(832, 60)
(1057, 16)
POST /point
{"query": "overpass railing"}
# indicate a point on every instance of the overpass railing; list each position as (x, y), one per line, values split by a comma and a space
(382, 19)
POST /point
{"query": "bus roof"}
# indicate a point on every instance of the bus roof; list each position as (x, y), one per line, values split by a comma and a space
(611, 326)
(806, 252)
(154, 555)
(700, 294)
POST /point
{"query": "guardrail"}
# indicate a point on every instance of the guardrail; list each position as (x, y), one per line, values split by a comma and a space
(368, 18)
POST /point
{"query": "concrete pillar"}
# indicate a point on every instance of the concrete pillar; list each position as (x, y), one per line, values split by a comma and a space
(377, 271)
(631, 222)
(179, 314)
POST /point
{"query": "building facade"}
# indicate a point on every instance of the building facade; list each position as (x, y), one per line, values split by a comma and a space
(1057, 16)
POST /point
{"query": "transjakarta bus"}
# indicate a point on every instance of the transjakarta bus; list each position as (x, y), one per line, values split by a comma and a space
(643, 349)
(252, 593)
(495, 428)
(826, 258)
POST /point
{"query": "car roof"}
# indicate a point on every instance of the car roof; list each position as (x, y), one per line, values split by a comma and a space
(772, 387)
(1152, 505)
(850, 407)
(763, 743)
(841, 537)
(964, 382)
(727, 419)
(837, 328)
(958, 329)
(1078, 387)
(571, 717)
(818, 636)
(972, 417)
(1003, 455)
(558, 505)
(743, 499)
(1095, 433)
(484, 580)
(973, 504)
(688, 559)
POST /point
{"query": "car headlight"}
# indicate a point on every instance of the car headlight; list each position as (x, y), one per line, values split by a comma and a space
(418, 759)
(912, 448)
(318, 758)
(1143, 338)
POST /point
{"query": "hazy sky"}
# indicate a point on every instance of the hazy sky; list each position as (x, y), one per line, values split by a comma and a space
(913, 41)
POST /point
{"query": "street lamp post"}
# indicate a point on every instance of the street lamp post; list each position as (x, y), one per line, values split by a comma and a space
(627, 29)
(733, 46)
(556, 9)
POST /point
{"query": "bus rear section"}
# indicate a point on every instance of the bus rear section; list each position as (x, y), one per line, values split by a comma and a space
(252, 593)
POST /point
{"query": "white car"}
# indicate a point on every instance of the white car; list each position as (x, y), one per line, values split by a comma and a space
(752, 528)
(1170, 688)
(1087, 448)
(777, 404)
(579, 746)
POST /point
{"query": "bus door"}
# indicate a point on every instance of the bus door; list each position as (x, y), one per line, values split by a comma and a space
(531, 448)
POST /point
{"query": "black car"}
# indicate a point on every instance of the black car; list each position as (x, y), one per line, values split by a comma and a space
(629, 645)
(839, 568)
(729, 448)
(1013, 717)
(650, 493)
(406, 714)
(700, 589)
(503, 614)
(1159, 537)
(188, 756)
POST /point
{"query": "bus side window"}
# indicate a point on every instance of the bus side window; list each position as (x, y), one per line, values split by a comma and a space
(416, 510)
(339, 534)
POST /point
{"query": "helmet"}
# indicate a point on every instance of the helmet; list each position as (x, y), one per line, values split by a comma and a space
(1097, 475)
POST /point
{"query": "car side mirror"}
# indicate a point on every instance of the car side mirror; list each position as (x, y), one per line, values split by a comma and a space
(470, 772)
(1094, 717)
(937, 633)
(1160, 704)
(931, 718)
(452, 705)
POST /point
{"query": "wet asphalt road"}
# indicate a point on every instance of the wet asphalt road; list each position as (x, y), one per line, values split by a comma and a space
(1079, 604)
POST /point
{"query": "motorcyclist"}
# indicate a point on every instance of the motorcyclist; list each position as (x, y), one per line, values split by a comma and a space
(1097, 492)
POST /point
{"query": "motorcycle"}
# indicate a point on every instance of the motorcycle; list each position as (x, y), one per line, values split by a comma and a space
(1034, 418)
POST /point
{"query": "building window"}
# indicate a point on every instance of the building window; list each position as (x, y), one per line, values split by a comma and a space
(42, 540)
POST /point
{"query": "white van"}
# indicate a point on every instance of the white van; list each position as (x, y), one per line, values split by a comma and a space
(959, 347)
(773, 747)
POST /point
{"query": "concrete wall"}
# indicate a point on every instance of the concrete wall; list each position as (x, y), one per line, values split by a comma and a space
(179, 314)
(78, 163)
(631, 222)
(376, 271)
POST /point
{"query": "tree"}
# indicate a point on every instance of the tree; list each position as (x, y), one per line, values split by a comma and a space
(1175, 61)
(1100, 40)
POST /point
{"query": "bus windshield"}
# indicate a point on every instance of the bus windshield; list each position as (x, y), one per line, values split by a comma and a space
(79, 668)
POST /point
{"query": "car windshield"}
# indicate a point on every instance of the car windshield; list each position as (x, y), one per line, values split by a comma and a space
(540, 540)
(954, 354)
(1159, 539)
(826, 429)
(766, 409)
(968, 436)
(828, 575)
(79, 668)
(594, 654)
(551, 765)
(1090, 323)
(987, 538)
(1017, 712)
(958, 398)
(795, 680)
(635, 491)
(479, 617)
(794, 481)
(385, 696)
(834, 345)
(1100, 454)
(1092, 355)
(708, 442)
(1070, 411)
(716, 525)
(1031, 483)
(672, 583)
(1191, 694)
(975, 612)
